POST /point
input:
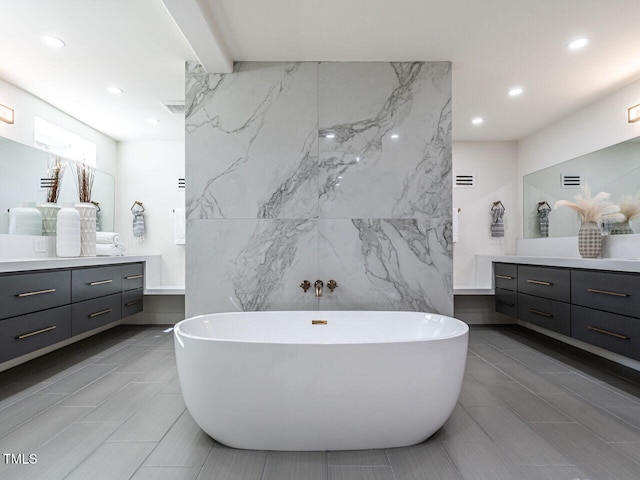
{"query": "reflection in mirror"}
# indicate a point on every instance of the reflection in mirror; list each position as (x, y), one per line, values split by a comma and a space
(614, 169)
(22, 168)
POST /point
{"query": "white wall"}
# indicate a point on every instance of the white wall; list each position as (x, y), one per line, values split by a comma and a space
(26, 106)
(148, 171)
(494, 164)
(600, 124)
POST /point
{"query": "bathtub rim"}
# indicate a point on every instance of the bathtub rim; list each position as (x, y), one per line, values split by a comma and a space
(181, 333)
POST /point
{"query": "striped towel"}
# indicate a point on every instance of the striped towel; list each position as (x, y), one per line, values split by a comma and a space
(497, 224)
(138, 221)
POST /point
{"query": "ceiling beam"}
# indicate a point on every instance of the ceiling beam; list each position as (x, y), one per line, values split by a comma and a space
(199, 30)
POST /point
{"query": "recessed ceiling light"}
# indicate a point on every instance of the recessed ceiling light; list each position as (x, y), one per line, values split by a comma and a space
(330, 135)
(115, 90)
(578, 43)
(53, 42)
(477, 121)
(395, 135)
(515, 91)
(153, 121)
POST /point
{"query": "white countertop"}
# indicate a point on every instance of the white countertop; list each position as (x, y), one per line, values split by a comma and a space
(614, 264)
(27, 264)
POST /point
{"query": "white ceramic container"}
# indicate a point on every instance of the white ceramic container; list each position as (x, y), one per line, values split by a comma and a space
(68, 231)
(49, 212)
(284, 381)
(87, 229)
(25, 220)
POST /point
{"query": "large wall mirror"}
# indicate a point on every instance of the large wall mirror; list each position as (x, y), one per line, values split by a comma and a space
(22, 168)
(615, 170)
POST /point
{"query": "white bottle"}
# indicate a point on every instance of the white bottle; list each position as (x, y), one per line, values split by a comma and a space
(25, 220)
(68, 231)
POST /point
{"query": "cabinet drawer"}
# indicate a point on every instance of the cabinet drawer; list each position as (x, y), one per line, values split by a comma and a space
(506, 302)
(545, 313)
(28, 333)
(95, 282)
(506, 276)
(611, 331)
(30, 292)
(132, 276)
(547, 282)
(132, 302)
(91, 314)
(608, 291)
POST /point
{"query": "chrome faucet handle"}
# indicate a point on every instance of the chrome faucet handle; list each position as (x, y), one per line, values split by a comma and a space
(305, 285)
(318, 284)
(332, 285)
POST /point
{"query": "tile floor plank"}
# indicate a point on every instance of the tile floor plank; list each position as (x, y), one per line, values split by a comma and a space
(295, 466)
(358, 458)
(124, 403)
(427, 461)
(361, 473)
(100, 464)
(166, 473)
(230, 464)
(97, 392)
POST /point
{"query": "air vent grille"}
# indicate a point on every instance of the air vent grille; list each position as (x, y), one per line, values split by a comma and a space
(181, 184)
(571, 181)
(465, 180)
(45, 183)
(176, 107)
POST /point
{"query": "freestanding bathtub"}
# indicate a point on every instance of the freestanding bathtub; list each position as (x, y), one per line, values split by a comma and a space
(332, 380)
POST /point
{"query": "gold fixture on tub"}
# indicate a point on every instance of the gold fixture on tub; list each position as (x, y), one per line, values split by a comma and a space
(318, 284)
(305, 285)
(331, 284)
(318, 322)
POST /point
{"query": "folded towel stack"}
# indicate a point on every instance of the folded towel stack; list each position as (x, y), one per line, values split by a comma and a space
(109, 244)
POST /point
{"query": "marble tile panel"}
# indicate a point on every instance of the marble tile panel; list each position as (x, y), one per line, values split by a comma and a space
(249, 265)
(396, 264)
(385, 140)
(251, 141)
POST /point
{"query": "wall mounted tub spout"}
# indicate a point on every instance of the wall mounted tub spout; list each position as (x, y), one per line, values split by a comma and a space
(318, 284)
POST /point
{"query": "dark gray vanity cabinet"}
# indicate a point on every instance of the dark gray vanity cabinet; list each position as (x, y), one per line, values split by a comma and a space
(44, 307)
(506, 281)
(595, 306)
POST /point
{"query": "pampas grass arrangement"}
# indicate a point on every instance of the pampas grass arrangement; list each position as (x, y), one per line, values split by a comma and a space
(630, 207)
(56, 172)
(593, 209)
(85, 174)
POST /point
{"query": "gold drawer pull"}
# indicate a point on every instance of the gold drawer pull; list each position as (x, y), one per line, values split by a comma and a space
(605, 292)
(606, 332)
(101, 282)
(27, 335)
(133, 302)
(101, 312)
(508, 304)
(318, 322)
(540, 282)
(538, 312)
(39, 292)
(133, 277)
(505, 277)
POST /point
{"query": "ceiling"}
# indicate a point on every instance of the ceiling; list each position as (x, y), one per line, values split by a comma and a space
(494, 45)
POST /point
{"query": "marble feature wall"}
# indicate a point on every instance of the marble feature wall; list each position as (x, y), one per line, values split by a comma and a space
(319, 171)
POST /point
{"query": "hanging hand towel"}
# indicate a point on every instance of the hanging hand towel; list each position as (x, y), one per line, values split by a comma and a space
(179, 222)
(138, 221)
(543, 213)
(454, 225)
(497, 224)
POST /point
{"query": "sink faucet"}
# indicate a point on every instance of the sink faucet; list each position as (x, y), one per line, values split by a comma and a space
(318, 284)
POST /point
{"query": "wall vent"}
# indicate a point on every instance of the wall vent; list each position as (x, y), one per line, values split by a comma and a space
(45, 183)
(181, 184)
(175, 106)
(465, 180)
(571, 181)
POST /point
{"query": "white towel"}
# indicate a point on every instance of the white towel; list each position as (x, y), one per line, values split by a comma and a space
(179, 224)
(108, 238)
(110, 250)
(454, 225)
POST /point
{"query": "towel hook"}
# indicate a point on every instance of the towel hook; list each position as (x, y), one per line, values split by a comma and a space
(498, 202)
(137, 203)
(544, 202)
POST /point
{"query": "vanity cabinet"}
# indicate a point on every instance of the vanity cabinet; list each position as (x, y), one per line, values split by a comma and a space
(595, 306)
(41, 308)
(506, 296)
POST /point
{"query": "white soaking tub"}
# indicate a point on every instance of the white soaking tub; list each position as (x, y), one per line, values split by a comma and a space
(331, 380)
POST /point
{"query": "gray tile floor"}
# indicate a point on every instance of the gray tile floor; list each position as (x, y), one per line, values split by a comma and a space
(110, 407)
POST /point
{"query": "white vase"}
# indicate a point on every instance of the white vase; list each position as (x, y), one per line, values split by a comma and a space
(25, 220)
(49, 212)
(68, 231)
(87, 229)
(622, 228)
